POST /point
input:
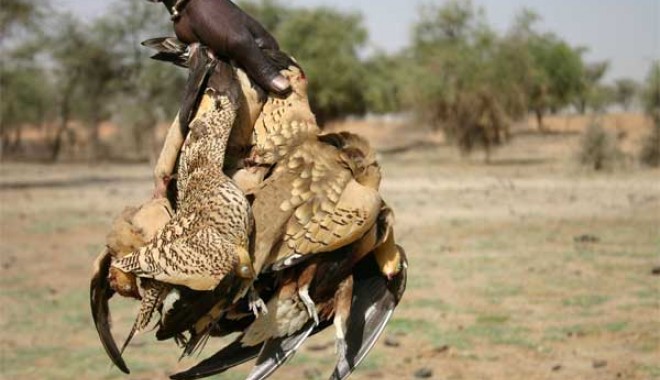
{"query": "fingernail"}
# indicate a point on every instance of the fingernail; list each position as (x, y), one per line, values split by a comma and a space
(280, 83)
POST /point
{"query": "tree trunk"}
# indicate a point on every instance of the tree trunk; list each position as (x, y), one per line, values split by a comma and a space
(16, 145)
(65, 114)
(539, 119)
(94, 139)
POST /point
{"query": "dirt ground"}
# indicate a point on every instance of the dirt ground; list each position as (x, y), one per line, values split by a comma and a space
(526, 268)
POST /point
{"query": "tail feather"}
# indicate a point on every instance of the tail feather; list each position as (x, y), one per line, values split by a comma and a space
(100, 293)
(168, 49)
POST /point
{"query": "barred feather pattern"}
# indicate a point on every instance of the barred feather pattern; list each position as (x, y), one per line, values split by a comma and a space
(211, 228)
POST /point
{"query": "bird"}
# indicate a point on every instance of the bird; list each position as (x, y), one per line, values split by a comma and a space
(205, 246)
(349, 291)
(132, 229)
(317, 214)
(323, 242)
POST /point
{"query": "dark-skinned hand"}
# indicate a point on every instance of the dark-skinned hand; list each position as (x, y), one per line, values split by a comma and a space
(232, 33)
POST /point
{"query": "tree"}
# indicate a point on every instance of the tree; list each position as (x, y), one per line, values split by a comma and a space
(382, 82)
(149, 90)
(20, 75)
(625, 91)
(102, 70)
(459, 78)
(549, 70)
(651, 94)
(592, 93)
(87, 71)
(559, 73)
(19, 14)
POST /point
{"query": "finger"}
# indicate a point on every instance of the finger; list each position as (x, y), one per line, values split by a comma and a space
(248, 54)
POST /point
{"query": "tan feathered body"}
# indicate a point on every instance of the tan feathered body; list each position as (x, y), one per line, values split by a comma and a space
(313, 202)
(209, 236)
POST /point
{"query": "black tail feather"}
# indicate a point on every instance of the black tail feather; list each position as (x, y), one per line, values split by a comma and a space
(100, 293)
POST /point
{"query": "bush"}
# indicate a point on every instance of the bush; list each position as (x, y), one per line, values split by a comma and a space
(598, 148)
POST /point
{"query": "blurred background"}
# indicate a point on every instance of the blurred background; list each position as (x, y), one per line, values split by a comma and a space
(520, 144)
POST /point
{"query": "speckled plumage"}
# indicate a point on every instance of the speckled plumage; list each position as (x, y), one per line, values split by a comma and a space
(209, 235)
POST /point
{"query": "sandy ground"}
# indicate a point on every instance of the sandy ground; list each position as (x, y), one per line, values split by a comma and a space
(527, 268)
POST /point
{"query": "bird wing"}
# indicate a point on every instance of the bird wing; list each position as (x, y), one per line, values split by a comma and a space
(374, 300)
(199, 261)
(276, 351)
(319, 206)
(230, 356)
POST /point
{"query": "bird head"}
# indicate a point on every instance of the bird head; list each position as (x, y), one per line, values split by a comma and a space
(357, 155)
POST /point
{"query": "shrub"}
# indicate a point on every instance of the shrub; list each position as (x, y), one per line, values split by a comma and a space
(598, 148)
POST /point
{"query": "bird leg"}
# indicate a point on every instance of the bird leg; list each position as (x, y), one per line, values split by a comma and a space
(303, 293)
(343, 299)
(304, 281)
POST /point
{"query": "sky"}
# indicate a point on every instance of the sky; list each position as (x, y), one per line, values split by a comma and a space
(625, 32)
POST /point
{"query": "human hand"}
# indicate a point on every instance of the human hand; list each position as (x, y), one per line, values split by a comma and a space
(230, 32)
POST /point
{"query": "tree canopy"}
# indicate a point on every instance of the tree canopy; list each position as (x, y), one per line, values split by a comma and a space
(457, 75)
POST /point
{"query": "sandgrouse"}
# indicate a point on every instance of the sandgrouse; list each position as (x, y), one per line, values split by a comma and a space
(207, 240)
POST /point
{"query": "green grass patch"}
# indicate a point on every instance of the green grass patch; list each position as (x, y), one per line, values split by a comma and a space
(489, 328)
(561, 333)
(651, 370)
(492, 319)
(586, 300)
(501, 334)
(499, 291)
(429, 303)
(646, 294)
(615, 327)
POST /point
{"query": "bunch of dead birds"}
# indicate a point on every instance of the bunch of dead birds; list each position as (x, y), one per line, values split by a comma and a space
(260, 225)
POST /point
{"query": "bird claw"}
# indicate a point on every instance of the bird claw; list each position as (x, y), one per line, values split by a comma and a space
(258, 307)
(256, 304)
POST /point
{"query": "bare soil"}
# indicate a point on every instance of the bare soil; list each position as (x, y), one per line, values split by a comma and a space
(529, 267)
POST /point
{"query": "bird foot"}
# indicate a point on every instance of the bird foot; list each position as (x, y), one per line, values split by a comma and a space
(256, 304)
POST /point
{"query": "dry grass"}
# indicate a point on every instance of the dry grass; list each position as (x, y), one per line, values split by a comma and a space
(527, 268)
